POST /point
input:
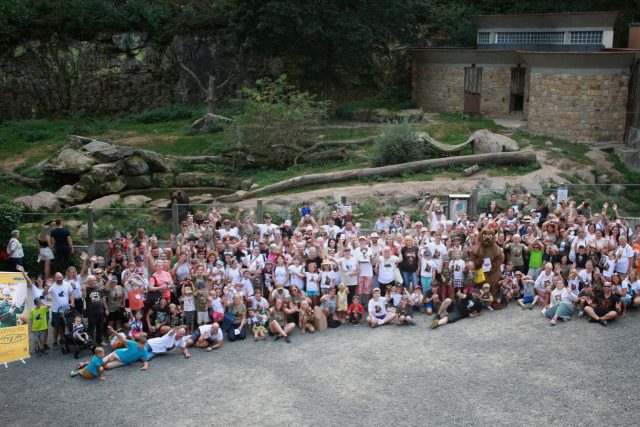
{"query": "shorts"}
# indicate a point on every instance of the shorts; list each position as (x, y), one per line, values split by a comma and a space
(217, 317)
(527, 300)
(84, 373)
(56, 319)
(454, 315)
(600, 312)
(195, 335)
(364, 286)
(38, 336)
(46, 254)
(114, 316)
(259, 329)
(380, 316)
(626, 299)
(203, 317)
(457, 283)
(189, 317)
(425, 282)
(312, 293)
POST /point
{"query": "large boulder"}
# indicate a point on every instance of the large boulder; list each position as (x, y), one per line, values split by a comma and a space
(360, 115)
(104, 202)
(43, 200)
(140, 181)
(201, 199)
(485, 141)
(160, 203)
(136, 201)
(381, 115)
(105, 152)
(200, 179)
(157, 162)
(114, 186)
(69, 162)
(104, 172)
(135, 165)
(70, 194)
(162, 180)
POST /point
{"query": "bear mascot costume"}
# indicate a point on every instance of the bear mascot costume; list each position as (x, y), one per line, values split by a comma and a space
(487, 257)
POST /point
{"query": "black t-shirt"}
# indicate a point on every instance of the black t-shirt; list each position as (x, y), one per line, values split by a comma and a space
(94, 301)
(410, 259)
(60, 238)
(581, 261)
(317, 261)
(607, 303)
(468, 306)
(159, 315)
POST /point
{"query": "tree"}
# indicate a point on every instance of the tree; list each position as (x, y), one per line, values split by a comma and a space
(273, 127)
(329, 39)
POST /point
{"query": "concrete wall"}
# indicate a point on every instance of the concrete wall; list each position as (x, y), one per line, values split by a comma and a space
(583, 106)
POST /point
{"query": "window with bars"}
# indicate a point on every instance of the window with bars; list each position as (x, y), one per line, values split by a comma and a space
(586, 37)
(530, 38)
(483, 38)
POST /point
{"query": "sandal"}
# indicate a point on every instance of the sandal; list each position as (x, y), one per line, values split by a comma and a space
(81, 365)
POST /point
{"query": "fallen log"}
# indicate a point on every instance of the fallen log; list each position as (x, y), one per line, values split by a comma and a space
(29, 182)
(509, 158)
(203, 159)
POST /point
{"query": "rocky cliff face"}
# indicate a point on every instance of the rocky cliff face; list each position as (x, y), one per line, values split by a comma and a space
(116, 73)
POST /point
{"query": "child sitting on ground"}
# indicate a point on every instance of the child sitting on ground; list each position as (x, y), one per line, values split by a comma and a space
(306, 317)
(529, 297)
(487, 298)
(417, 298)
(78, 330)
(91, 369)
(356, 310)
(404, 311)
(257, 322)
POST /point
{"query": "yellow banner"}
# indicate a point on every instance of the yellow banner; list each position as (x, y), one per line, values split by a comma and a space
(14, 343)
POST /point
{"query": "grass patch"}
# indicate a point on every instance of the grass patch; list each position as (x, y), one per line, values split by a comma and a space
(561, 147)
(384, 99)
(455, 128)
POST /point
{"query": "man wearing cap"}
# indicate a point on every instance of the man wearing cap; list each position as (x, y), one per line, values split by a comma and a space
(9, 312)
(286, 229)
(267, 230)
(377, 308)
(227, 230)
(468, 305)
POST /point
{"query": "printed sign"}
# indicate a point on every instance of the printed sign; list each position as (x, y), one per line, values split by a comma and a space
(14, 343)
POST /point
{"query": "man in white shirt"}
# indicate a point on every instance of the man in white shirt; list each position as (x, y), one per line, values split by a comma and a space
(61, 299)
(624, 256)
(208, 337)
(173, 338)
(268, 228)
(377, 307)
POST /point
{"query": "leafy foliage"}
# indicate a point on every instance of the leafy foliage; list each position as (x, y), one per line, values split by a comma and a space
(276, 119)
(397, 143)
(163, 114)
(10, 215)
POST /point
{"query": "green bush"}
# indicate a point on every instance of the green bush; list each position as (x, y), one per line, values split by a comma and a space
(164, 114)
(397, 143)
(9, 220)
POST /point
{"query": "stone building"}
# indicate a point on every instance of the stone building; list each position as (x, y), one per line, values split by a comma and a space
(558, 71)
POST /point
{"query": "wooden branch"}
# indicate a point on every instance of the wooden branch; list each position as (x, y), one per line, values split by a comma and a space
(29, 182)
(322, 144)
(509, 158)
(192, 74)
(224, 83)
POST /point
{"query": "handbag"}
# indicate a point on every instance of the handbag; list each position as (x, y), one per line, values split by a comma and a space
(227, 323)
(480, 279)
(398, 276)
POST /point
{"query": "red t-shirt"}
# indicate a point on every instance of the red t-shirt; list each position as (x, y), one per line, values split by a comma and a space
(359, 308)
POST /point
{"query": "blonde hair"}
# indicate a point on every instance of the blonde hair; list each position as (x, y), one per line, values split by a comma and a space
(45, 232)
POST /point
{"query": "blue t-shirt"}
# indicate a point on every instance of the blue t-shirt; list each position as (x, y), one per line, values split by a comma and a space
(132, 353)
(92, 367)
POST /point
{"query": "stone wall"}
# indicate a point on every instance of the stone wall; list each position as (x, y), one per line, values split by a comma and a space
(578, 106)
(438, 88)
(441, 88)
(117, 73)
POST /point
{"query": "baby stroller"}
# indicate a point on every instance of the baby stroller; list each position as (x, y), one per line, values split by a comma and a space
(67, 318)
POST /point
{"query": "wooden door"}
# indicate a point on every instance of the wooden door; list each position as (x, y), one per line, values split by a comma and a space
(472, 89)
(517, 89)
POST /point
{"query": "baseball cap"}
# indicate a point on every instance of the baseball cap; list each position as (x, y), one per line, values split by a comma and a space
(362, 238)
(309, 228)
(374, 235)
(486, 286)
(376, 290)
(287, 223)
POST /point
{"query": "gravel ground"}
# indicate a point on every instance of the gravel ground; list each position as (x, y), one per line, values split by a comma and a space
(503, 368)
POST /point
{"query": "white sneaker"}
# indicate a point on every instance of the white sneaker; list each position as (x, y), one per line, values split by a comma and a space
(581, 313)
(544, 310)
(380, 322)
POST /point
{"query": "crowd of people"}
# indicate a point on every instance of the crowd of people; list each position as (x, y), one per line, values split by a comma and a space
(225, 279)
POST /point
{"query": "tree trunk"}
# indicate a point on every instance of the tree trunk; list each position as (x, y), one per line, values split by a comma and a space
(511, 158)
(211, 95)
(29, 182)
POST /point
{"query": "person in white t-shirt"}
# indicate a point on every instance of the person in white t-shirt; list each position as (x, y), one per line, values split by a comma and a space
(386, 266)
(208, 337)
(624, 256)
(61, 299)
(377, 307)
(364, 255)
(173, 338)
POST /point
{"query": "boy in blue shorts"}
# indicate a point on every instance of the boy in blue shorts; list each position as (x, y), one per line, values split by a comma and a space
(529, 297)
